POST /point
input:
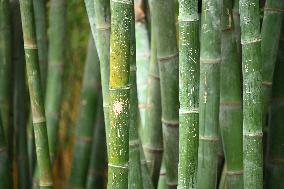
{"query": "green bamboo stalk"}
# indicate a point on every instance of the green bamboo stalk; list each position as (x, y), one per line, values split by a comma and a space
(162, 179)
(142, 59)
(4, 159)
(152, 133)
(41, 34)
(210, 58)
(252, 96)
(275, 166)
(237, 27)
(97, 173)
(102, 20)
(85, 125)
(35, 90)
(56, 59)
(164, 20)
(134, 175)
(223, 179)
(119, 113)
(5, 67)
(231, 101)
(20, 106)
(90, 8)
(270, 34)
(146, 178)
(188, 93)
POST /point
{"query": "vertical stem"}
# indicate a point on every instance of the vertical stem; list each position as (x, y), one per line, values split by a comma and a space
(167, 55)
(231, 101)
(56, 59)
(41, 34)
(275, 166)
(134, 177)
(35, 90)
(86, 119)
(209, 95)
(4, 159)
(119, 113)
(98, 166)
(188, 93)
(252, 96)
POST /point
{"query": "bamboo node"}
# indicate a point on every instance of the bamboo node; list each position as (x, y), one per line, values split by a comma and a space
(254, 135)
(134, 143)
(119, 166)
(194, 19)
(39, 120)
(172, 184)
(210, 61)
(143, 106)
(153, 149)
(189, 111)
(162, 173)
(169, 57)
(276, 160)
(168, 123)
(30, 46)
(247, 42)
(231, 173)
(129, 2)
(103, 27)
(154, 76)
(209, 138)
(274, 9)
(45, 184)
(267, 83)
(133, 68)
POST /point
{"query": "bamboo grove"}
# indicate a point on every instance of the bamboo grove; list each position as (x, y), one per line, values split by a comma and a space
(141, 94)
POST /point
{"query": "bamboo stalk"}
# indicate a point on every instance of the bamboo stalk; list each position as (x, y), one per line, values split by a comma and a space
(237, 27)
(167, 55)
(134, 175)
(38, 113)
(146, 177)
(230, 101)
(56, 59)
(119, 115)
(85, 124)
(162, 184)
(275, 161)
(20, 106)
(4, 159)
(41, 34)
(252, 96)
(97, 174)
(270, 34)
(152, 133)
(188, 93)
(210, 58)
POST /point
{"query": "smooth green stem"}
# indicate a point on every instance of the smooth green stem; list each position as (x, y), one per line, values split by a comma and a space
(4, 159)
(209, 95)
(188, 93)
(162, 184)
(275, 165)
(167, 54)
(97, 174)
(231, 101)
(36, 97)
(86, 119)
(252, 94)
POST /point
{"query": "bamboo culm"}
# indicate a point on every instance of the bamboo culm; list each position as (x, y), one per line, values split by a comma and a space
(134, 175)
(86, 119)
(97, 173)
(231, 101)
(102, 20)
(210, 58)
(36, 97)
(4, 171)
(167, 54)
(188, 93)
(270, 34)
(252, 95)
(119, 113)
(275, 155)
(152, 133)
(20, 106)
